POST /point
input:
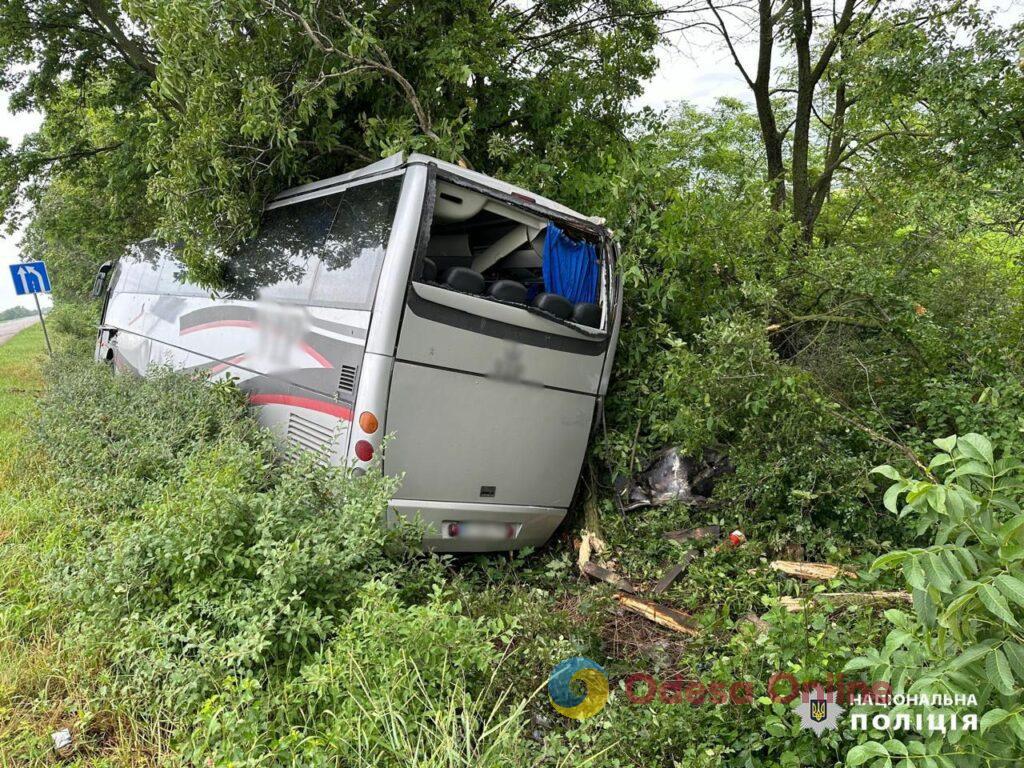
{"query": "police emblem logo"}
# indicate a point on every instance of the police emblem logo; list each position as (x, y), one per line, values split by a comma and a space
(819, 711)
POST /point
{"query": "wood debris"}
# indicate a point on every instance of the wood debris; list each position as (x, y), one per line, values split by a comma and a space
(695, 534)
(590, 545)
(757, 621)
(819, 571)
(842, 599)
(674, 572)
(596, 571)
(661, 615)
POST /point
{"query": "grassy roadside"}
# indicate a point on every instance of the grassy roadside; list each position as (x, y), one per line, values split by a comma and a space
(44, 684)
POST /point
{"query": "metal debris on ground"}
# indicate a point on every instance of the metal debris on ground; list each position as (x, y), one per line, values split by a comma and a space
(595, 571)
(672, 477)
(63, 744)
(695, 534)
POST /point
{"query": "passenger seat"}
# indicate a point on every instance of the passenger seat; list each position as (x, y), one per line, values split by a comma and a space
(588, 314)
(464, 279)
(508, 290)
(553, 304)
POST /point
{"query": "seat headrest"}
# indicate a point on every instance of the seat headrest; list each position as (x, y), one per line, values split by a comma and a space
(428, 270)
(508, 290)
(553, 304)
(464, 279)
(588, 314)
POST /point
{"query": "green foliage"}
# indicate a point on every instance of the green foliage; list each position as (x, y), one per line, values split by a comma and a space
(16, 313)
(398, 685)
(149, 125)
(965, 636)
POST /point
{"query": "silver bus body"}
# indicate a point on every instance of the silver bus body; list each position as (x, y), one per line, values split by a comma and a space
(339, 325)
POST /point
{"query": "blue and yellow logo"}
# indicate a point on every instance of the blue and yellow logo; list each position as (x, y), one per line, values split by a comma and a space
(565, 682)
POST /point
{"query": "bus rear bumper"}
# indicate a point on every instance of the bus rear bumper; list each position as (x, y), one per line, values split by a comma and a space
(472, 527)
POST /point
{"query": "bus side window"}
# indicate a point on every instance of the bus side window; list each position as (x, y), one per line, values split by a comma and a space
(140, 269)
(354, 249)
(279, 262)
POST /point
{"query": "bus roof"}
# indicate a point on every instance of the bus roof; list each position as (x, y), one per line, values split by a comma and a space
(401, 160)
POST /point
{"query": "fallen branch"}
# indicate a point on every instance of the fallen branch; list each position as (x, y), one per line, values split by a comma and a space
(695, 534)
(820, 571)
(843, 599)
(674, 572)
(621, 583)
(661, 615)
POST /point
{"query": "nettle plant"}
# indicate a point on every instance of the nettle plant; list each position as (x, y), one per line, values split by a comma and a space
(966, 635)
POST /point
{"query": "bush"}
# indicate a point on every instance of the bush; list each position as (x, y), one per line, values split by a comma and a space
(965, 637)
(398, 685)
(202, 556)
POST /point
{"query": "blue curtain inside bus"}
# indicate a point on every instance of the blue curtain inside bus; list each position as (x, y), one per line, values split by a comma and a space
(570, 267)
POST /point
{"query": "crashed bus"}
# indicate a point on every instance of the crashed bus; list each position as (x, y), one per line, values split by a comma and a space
(469, 321)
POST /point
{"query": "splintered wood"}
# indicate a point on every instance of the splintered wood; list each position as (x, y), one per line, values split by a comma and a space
(669, 618)
(595, 571)
(819, 571)
(843, 599)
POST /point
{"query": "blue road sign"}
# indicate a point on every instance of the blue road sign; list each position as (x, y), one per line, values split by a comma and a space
(30, 277)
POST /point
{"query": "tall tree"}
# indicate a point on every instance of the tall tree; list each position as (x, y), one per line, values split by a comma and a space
(219, 103)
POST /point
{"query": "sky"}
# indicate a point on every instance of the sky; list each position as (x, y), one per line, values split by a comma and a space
(698, 70)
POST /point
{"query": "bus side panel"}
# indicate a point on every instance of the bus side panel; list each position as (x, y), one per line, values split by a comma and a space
(299, 366)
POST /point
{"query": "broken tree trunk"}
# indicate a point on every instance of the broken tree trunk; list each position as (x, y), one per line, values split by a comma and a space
(661, 615)
(843, 599)
(820, 571)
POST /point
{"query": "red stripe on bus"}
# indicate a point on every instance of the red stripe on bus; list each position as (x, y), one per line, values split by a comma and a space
(324, 362)
(332, 409)
(218, 324)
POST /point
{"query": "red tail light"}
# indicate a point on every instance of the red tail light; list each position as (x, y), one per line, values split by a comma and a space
(364, 451)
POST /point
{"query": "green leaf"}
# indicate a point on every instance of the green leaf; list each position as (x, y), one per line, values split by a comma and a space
(976, 446)
(896, 747)
(889, 560)
(885, 471)
(1011, 587)
(1009, 528)
(914, 573)
(996, 604)
(997, 670)
(864, 752)
(969, 655)
(859, 662)
(993, 717)
(892, 494)
(1015, 654)
(936, 571)
(946, 444)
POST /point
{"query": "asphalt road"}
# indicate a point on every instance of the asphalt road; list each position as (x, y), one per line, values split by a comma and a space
(11, 327)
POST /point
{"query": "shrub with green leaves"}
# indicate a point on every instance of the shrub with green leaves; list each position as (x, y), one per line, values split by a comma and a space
(967, 632)
(399, 685)
(201, 554)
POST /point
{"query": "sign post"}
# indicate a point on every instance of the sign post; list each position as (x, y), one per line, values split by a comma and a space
(31, 278)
